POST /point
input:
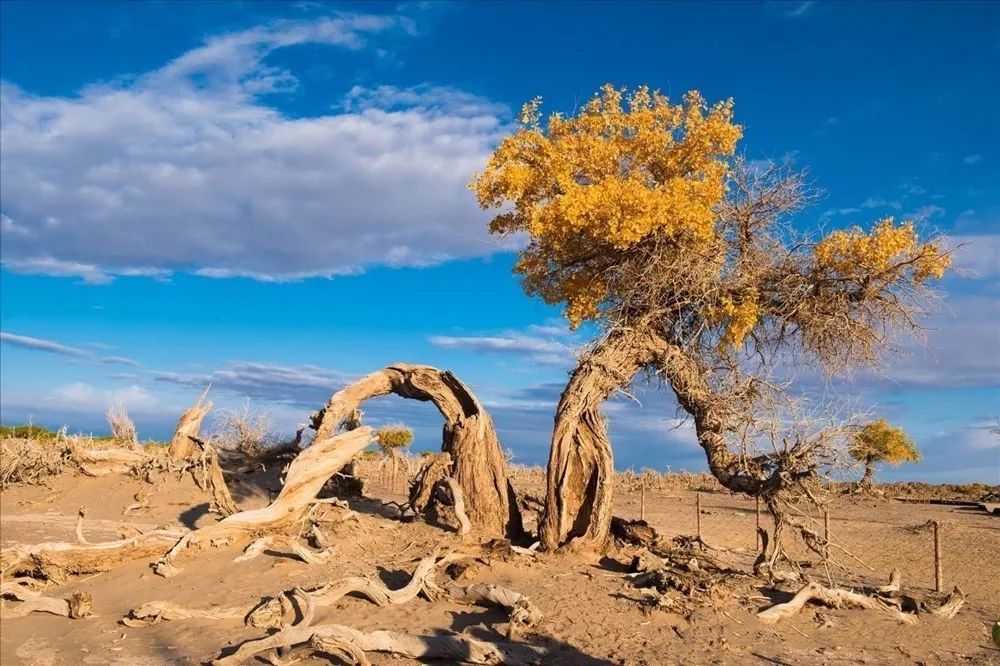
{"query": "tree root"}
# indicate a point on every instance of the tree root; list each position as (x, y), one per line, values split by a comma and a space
(77, 605)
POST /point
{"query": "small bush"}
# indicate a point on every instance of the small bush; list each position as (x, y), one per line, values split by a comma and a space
(243, 429)
(28, 431)
(122, 427)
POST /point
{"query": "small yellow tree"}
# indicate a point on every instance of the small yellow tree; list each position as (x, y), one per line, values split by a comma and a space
(877, 442)
(393, 437)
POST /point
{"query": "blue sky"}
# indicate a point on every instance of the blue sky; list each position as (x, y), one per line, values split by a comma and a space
(271, 197)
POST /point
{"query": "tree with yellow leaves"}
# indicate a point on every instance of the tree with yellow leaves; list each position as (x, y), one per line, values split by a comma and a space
(877, 442)
(641, 220)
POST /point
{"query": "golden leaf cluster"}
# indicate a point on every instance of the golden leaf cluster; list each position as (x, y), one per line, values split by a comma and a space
(856, 253)
(627, 167)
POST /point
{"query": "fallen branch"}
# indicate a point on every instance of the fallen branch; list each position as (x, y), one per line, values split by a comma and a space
(306, 476)
(56, 560)
(75, 606)
(834, 598)
(447, 646)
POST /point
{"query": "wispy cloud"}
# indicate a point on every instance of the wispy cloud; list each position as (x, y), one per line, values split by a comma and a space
(52, 347)
(800, 9)
(878, 202)
(305, 385)
(972, 159)
(539, 349)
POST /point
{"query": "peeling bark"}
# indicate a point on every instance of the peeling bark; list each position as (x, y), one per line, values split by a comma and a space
(581, 468)
(468, 437)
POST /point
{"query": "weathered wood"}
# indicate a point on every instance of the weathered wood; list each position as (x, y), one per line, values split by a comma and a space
(188, 429)
(469, 437)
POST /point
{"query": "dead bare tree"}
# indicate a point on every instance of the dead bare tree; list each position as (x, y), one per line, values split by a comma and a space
(188, 427)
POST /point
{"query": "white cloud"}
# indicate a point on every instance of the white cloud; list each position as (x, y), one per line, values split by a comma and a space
(83, 396)
(977, 254)
(925, 212)
(187, 169)
(972, 159)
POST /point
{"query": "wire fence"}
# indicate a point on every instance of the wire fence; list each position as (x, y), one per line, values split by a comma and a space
(933, 547)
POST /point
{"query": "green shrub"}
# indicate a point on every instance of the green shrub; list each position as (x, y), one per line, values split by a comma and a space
(27, 431)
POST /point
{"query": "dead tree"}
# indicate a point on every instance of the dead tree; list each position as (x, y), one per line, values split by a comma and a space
(468, 437)
(188, 429)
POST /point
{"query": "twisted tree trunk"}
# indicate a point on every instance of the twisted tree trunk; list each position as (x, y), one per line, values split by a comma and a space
(580, 473)
(866, 480)
(468, 437)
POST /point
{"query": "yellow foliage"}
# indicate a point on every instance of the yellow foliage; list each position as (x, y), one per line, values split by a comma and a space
(740, 315)
(625, 168)
(880, 442)
(855, 253)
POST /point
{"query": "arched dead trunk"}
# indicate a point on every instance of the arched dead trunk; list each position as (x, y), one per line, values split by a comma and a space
(469, 438)
(581, 468)
(188, 429)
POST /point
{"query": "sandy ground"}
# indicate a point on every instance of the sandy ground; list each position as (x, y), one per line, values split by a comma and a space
(592, 615)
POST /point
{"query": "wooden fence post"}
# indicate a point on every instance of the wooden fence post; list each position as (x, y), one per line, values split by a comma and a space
(642, 499)
(938, 577)
(697, 506)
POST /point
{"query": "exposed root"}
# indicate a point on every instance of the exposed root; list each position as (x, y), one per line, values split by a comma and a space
(211, 479)
(465, 526)
(469, 437)
(953, 603)
(79, 526)
(77, 605)
(287, 544)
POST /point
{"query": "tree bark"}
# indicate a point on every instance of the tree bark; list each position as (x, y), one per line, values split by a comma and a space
(468, 437)
(866, 480)
(188, 427)
(695, 396)
(580, 472)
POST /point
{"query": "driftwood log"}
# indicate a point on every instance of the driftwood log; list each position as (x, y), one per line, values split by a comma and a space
(469, 437)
